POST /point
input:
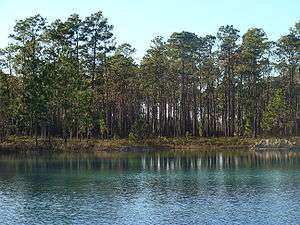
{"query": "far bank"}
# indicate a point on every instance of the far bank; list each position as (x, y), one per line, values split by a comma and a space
(24, 144)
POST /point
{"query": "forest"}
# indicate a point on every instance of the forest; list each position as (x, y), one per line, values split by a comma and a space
(71, 80)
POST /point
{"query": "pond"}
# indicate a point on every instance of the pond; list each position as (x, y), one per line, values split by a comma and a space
(161, 187)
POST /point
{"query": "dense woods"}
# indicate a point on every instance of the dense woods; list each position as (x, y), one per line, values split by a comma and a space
(70, 79)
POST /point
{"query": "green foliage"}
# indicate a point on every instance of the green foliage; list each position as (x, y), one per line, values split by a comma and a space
(132, 138)
(10, 103)
(102, 124)
(140, 130)
(276, 115)
(188, 135)
(67, 79)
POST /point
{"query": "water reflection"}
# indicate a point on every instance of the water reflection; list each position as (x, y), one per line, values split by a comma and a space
(168, 187)
(158, 161)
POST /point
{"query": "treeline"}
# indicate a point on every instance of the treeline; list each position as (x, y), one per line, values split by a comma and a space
(69, 79)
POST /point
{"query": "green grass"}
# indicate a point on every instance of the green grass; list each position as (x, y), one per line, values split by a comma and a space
(28, 143)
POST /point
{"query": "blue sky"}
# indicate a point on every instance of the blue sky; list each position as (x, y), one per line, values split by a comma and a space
(139, 21)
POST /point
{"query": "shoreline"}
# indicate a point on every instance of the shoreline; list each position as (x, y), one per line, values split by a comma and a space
(27, 144)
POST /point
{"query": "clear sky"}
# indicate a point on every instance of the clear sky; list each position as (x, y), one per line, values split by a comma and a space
(139, 21)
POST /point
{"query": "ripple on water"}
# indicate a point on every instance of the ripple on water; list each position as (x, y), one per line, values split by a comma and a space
(151, 188)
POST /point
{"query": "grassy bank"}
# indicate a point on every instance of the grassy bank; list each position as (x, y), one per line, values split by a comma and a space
(14, 143)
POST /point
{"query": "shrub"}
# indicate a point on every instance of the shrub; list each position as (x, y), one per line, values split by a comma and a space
(140, 129)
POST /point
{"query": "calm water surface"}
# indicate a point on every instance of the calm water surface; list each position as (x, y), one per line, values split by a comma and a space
(150, 188)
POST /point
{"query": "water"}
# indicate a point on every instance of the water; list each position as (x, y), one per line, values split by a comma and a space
(232, 187)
